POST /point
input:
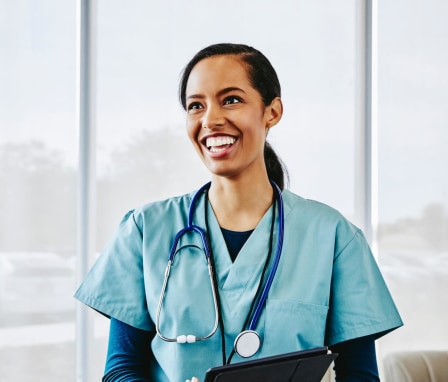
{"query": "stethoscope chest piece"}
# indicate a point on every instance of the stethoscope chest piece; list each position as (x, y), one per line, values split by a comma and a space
(247, 343)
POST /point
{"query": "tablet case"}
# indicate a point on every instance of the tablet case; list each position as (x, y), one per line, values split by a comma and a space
(301, 366)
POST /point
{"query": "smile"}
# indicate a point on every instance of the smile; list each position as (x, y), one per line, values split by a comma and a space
(216, 144)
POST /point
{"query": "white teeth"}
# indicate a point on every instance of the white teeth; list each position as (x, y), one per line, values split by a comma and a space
(219, 141)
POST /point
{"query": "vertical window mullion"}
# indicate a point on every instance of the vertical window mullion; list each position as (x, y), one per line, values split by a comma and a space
(86, 76)
(365, 119)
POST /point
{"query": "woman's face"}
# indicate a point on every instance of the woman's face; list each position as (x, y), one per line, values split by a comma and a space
(226, 119)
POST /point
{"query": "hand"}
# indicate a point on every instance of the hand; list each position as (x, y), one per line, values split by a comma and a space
(194, 379)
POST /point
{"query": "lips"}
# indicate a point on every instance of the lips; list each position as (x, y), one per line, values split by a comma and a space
(219, 143)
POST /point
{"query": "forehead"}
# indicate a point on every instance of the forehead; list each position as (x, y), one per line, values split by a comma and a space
(218, 72)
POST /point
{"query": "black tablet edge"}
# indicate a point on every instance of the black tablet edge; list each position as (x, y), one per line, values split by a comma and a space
(213, 371)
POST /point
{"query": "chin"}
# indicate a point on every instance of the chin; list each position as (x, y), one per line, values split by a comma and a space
(221, 172)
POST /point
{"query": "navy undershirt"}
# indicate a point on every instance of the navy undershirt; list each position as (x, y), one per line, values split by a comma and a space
(235, 241)
(129, 355)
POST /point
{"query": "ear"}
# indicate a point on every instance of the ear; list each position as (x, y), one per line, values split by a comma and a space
(274, 112)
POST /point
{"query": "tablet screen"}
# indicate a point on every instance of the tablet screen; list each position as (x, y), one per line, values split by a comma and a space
(302, 366)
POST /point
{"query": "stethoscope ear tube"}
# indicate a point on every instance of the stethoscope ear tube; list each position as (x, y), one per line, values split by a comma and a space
(159, 306)
(186, 338)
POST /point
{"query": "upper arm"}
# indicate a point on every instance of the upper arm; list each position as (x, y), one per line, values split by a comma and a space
(356, 360)
(129, 353)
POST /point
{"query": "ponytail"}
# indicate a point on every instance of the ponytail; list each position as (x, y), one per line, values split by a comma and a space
(277, 171)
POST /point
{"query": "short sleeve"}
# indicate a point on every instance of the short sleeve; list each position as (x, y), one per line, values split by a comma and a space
(360, 302)
(114, 286)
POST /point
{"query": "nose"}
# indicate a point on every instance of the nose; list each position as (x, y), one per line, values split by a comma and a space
(213, 117)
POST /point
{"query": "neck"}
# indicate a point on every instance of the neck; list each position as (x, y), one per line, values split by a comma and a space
(239, 205)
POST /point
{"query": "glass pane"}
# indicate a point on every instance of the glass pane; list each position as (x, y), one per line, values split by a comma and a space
(37, 190)
(143, 151)
(413, 186)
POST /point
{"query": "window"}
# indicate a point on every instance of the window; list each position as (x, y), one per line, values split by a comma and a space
(143, 153)
(413, 186)
(38, 149)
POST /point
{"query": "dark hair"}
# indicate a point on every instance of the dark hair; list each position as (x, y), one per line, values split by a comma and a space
(262, 77)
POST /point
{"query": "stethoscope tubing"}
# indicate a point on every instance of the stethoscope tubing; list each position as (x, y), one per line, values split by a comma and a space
(191, 227)
(207, 251)
(182, 232)
(194, 201)
(267, 287)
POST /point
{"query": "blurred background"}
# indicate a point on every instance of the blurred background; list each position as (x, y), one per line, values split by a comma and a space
(142, 152)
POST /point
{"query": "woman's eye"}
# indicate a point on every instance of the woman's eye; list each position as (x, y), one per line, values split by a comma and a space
(231, 100)
(194, 106)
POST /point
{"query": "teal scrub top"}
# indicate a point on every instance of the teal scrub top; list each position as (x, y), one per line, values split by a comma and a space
(327, 288)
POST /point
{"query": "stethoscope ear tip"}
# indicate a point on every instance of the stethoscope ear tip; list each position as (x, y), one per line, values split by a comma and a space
(183, 339)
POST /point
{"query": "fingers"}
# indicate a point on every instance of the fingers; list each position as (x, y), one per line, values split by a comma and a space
(194, 379)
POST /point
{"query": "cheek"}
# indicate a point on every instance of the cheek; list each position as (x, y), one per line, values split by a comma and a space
(192, 130)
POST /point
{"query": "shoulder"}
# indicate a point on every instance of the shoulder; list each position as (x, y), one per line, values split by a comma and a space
(173, 208)
(311, 210)
(164, 205)
(318, 218)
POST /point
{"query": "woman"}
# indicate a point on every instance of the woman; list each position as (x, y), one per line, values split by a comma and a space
(324, 285)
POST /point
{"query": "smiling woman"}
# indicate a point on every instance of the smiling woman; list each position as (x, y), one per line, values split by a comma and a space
(261, 244)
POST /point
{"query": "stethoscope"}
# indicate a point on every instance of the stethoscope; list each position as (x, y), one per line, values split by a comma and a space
(248, 342)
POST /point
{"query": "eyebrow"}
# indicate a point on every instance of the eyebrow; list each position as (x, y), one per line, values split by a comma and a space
(220, 93)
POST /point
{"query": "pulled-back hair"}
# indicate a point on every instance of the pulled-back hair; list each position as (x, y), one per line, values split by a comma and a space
(262, 77)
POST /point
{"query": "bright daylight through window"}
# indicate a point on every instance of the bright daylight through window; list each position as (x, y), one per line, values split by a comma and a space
(143, 153)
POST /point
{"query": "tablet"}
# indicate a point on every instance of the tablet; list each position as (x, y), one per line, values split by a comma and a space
(301, 366)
